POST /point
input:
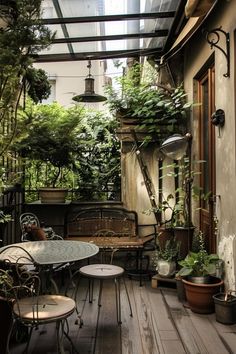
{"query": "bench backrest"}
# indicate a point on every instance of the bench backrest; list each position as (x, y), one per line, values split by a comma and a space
(89, 221)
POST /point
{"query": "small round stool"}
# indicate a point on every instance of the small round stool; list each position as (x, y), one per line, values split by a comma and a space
(103, 272)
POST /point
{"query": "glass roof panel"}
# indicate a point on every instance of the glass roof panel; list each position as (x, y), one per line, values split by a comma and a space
(90, 26)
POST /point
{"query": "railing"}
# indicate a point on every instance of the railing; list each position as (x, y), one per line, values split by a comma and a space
(87, 193)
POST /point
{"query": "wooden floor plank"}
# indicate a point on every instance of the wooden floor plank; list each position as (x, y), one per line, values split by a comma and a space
(160, 325)
(130, 332)
(163, 324)
(196, 330)
(109, 331)
(150, 338)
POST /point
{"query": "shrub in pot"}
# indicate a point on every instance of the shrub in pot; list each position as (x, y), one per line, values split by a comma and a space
(198, 269)
(166, 256)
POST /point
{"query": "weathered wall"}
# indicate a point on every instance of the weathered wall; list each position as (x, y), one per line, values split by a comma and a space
(134, 192)
(197, 52)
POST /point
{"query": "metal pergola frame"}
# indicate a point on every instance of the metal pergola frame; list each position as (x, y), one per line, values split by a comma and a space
(169, 33)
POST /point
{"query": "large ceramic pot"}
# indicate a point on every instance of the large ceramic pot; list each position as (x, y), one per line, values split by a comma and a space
(200, 296)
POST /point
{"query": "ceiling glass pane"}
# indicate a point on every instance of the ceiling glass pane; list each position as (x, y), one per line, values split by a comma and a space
(84, 26)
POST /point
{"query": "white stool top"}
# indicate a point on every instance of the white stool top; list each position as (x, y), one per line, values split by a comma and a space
(101, 271)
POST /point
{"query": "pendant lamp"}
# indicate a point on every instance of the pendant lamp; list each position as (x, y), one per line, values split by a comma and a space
(89, 95)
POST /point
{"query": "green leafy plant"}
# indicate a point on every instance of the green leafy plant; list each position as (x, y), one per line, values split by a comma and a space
(157, 109)
(168, 252)
(69, 147)
(20, 40)
(39, 86)
(174, 206)
(49, 134)
(6, 283)
(199, 264)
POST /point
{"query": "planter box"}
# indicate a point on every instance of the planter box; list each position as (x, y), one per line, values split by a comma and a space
(52, 195)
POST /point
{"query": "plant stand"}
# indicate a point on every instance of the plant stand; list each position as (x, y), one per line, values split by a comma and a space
(157, 281)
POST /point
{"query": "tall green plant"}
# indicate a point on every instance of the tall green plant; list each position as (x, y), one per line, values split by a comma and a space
(71, 147)
(22, 38)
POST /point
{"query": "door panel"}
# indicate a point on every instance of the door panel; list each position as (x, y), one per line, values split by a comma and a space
(206, 90)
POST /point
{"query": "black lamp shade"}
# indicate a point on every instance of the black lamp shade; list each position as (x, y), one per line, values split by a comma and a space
(89, 95)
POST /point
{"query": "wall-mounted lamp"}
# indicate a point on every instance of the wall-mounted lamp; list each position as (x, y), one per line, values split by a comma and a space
(89, 94)
(218, 118)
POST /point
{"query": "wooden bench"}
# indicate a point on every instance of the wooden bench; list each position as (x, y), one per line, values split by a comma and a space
(109, 227)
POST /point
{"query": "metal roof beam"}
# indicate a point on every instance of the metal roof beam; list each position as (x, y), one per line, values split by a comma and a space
(158, 33)
(46, 58)
(105, 18)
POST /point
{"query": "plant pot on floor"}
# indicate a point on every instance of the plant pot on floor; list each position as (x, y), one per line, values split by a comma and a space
(200, 296)
(165, 268)
(225, 308)
(52, 195)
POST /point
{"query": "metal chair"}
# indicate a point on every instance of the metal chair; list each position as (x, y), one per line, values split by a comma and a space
(30, 223)
(32, 309)
(102, 272)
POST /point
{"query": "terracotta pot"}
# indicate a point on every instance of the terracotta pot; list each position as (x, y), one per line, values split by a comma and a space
(200, 296)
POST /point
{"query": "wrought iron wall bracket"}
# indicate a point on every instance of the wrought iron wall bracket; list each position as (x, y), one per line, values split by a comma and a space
(213, 38)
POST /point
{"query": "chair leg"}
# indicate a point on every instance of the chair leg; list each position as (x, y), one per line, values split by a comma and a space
(100, 292)
(127, 294)
(118, 307)
(66, 334)
(28, 341)
(60, 328)
(90, 291)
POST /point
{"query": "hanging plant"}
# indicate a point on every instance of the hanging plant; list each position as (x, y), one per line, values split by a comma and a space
(39, 86)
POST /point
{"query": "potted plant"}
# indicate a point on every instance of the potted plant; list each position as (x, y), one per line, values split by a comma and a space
(225, 307)
(149, 109)
(198, 270)
(166, 256)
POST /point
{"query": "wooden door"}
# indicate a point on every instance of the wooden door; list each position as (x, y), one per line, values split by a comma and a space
(206, 93)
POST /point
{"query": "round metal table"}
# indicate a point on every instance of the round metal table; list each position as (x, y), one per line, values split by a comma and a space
(48, 252)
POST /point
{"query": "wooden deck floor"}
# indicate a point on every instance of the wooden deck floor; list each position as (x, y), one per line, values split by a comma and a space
(160, 324)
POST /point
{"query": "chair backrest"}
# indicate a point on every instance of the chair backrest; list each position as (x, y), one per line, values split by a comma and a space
(15, 277)
(27, 220)
(31, 230)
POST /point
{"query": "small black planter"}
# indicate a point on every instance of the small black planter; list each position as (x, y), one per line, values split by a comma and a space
(225, 309)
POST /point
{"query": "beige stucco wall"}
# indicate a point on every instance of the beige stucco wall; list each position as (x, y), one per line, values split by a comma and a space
(134, 192)
(69, 79)
(197, 53)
